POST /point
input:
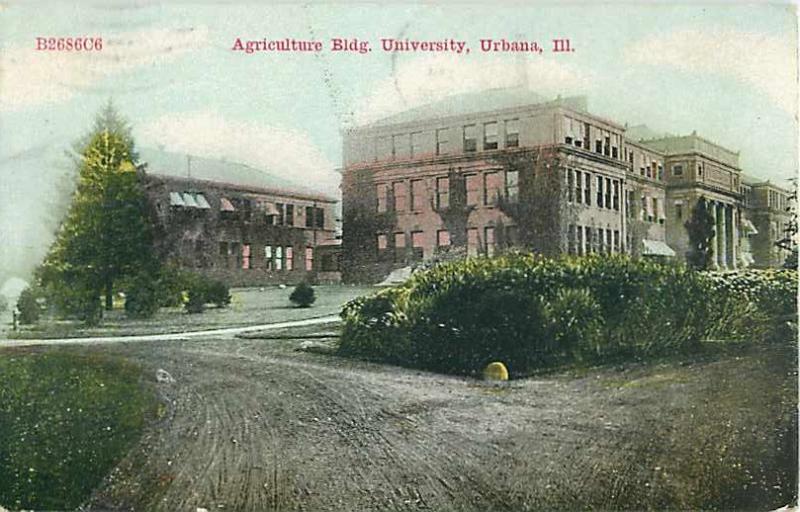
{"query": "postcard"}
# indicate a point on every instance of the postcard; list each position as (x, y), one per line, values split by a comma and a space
(447, 256)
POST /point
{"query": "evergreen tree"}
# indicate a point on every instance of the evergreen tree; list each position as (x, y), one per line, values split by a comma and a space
(108, 232)
(701, 232)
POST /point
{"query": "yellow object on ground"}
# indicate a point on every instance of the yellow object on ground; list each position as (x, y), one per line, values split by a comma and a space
(495, 371)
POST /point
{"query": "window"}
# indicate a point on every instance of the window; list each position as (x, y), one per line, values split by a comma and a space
(570, 185)
(629, 203)
(607, 146)
(245, 256)
(587, 232)
(660, 175)
(418, 244)
(488, 236)
(399, 246)
(473, 244)
(224, 252)
(399, 191)
(651, 214)
(587, 193)
(654, 169)
(442, 193)
(470, 138)
(383, 242)
(492, 186)
(617, 247)
(599, 191)
(416, 144)
(677, 170)
(512, 185)
(309, 259)
(578, 187)
(608, 194)
(247, 209)
(441, 141)
(599, 237)
(490, 135)
(609, 246)
(381, 191)
(442, 238)
(616, 195)
(473, 189)
(289, 258)
(579, 240)
(571, 239)
(512, 133)
(236, 251)
(417, 195)
(309, 216)
(614, 152)
(268, 257)
(319, 218)
(280, 217)
(279, 258)
(290, 215)
(598, 146)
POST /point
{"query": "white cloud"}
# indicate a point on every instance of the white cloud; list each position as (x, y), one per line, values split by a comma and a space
(767, 63)
(281, 151)
(423, 80)
(29, 77)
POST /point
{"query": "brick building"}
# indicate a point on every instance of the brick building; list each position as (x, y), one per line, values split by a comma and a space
(617, 191)
(236, 223)
(766, 214)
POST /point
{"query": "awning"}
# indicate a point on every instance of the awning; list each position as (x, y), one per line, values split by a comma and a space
(189, 200)
(748, 227)
(202, 202)
(175, 199)
(225, 205)
(657, 248)
(270, 209)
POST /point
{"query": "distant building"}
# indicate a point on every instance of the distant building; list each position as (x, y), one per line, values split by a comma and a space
(236, 223)
(447, 175)
(766, 214)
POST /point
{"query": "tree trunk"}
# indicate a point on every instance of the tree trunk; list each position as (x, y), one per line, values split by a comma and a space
(109, 294)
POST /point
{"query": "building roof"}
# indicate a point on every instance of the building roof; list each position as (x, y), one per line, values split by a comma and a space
(473, 103)
(182, 166)
(641, 132)
(693, 143)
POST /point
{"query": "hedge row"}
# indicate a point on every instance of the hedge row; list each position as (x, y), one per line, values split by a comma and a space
(531, 312)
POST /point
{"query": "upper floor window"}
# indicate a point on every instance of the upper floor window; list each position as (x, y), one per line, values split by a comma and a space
(290, 215)
(441, 141)
(399, 192)
(416, 144)
(382, 193)
(417, 195)
(677, 170)
(442, 192)
(512, 185)
(490, 135)
(473, 189)
(470, 138)
(512, 133)
(492, 186)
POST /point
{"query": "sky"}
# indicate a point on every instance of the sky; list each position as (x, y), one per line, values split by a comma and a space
(728, 71)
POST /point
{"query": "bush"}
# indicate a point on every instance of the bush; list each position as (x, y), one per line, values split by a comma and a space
(531, 312)
(218, 293)
(28, 306)
(142, 297)
(303, 295)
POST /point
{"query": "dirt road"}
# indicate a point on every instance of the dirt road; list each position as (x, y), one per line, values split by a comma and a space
(254, 425)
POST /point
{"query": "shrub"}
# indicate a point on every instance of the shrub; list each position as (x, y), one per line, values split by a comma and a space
(218, 293)
(142, 296)
(196, 293)
(303, 295)
(28, 306)
(530, 312)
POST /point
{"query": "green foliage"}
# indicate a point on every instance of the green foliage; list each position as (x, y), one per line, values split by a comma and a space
(218, 293)
(701, 232)
(3, 303)
(28, 306)
(142, 296)
(303, 295)
(108, 232)
(531, 312)
(65, 420)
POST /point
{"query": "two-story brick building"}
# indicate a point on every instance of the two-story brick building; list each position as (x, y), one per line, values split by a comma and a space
(237, 223)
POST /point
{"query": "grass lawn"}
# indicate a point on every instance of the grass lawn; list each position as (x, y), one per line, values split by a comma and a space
(249, 306)
(66, 418)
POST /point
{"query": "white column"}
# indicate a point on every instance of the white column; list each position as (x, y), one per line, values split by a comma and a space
(712, 206)
(733, 239)
(723, 239)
